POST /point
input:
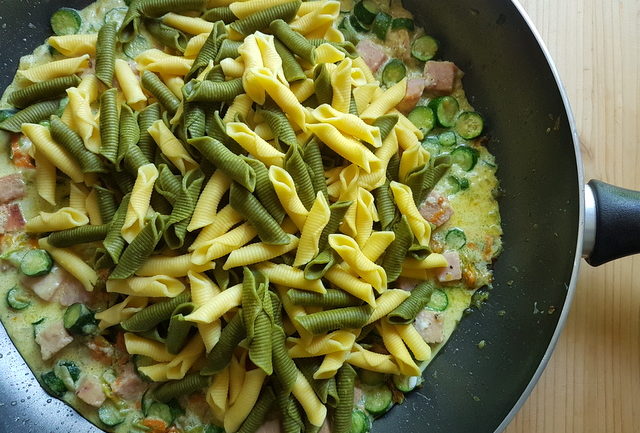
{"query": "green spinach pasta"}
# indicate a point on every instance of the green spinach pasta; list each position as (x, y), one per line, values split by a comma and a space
(253, 216)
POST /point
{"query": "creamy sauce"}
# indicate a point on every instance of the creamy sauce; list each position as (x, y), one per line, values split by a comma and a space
(475, 211)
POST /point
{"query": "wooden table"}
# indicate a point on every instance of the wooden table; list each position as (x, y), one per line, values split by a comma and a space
(592, 383)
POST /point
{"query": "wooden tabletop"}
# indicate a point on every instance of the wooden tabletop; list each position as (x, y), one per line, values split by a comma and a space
(592, 383)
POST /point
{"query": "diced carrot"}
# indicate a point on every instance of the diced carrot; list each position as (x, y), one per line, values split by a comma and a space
(101, 350)
(469, 276)
(156, 425)
(20, 158)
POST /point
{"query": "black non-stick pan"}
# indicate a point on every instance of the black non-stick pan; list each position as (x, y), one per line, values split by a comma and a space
(511, 80)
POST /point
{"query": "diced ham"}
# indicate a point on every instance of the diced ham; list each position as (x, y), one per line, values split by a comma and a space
(57, 286)
(407, 284)
(436, 209)
(52, 339)
(11, 219)
(372, 54)
(272, 426)
(430, 325)
(399, 41)
(440, 77)
(12, 187)
(128, 384)
(453, 271)
(415, 87)
(90, 391)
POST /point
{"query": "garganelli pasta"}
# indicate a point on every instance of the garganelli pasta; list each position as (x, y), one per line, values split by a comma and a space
(243, 214)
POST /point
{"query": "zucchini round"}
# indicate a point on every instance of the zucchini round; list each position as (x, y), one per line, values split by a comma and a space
(439, 301)
(424, 48)
(423, 118)
(394, 71)
(466, 157)
(366, 11)
(378, 400)
(109, 414)
(381, 25)
(36, 263)
(446, 109)
(78, 319)
(17, 299)
(65, 21)
(469, 125)
(455, 239)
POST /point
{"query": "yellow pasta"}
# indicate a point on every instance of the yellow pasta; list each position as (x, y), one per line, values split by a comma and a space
(387, 302)
(242, 9)
(234, 68)
(348, 124)
(90, 88)
(377, 244)
(332, 34)
(84, 121)
(359, 63)
(191, 25)
(331, 364)
(387, 101)
(327, 53)
(372, 361)
(364, 94)
(358, 222)
(290, 277)
(72, 263)
(341, 84)
(317, 219)
(396, 347)
(74, 45)
(258, 252)
(433, 260)
(224, 220)
(223, 245)
(404, 200)
(45, 178)
(256, 146)
(195, 44)
(348, 249)
(239, 410)
(313, 407)
(62, 219)
(175, 83)
(121, 311)
(407, 124)
(241, 106)
(155, 350)
(58, 68)
(270, 57)
(280, 93)
(150, 56)
(155, 286)
(171, 266)
(321, 17)
(93, 209)
(77, 197)
(303, 89)
(351, 284)
(130, 85)
(171, 147)
(139, 203)
(378, 176)
(217, 306)
(217, 393)
(414, 341)
(178, 367)
(171, 65)
(286, 191)
(207, 205)
(347, 147)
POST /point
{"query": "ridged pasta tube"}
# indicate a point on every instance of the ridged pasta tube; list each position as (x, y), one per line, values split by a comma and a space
(262, 18)
(397, 251)
(109, 124)
(230, 163)
(50, 89)
(213, 91)
(106, 53)
(35, 113)
(338, 318)
(152, 315)
(407, 311)
(72, 142)
(293, 40)
(157, 88)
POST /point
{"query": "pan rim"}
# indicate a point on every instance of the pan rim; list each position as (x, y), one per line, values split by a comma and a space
(577, 260)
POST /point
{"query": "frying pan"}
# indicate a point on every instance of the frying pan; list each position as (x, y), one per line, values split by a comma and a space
(547, 227)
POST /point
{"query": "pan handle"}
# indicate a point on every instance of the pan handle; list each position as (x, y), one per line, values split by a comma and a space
(612, 222)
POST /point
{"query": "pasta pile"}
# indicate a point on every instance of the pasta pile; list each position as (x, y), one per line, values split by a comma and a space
(250, 184)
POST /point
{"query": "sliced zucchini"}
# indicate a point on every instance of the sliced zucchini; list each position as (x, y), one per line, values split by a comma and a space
(138, 45)
(369, 377)
(210, 428)
(78, 319)
(116, 15)
(360, 422)
(110, 414)
(381, 25)
(407, 383)
(446, 109)
(160, 411)
(36, 263)
(423, 118)
(66, 21)
(53, 384)
(17, 298)
(402, 23)
(378, 400)
(457, 184)
(366, 11)
(439, 301)
(424, 48)
(70, 368)
(432, 144)
(394, 71)
(469, 125)
(455, 238)
(447, 139)
(357, 25)
(466, 157)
